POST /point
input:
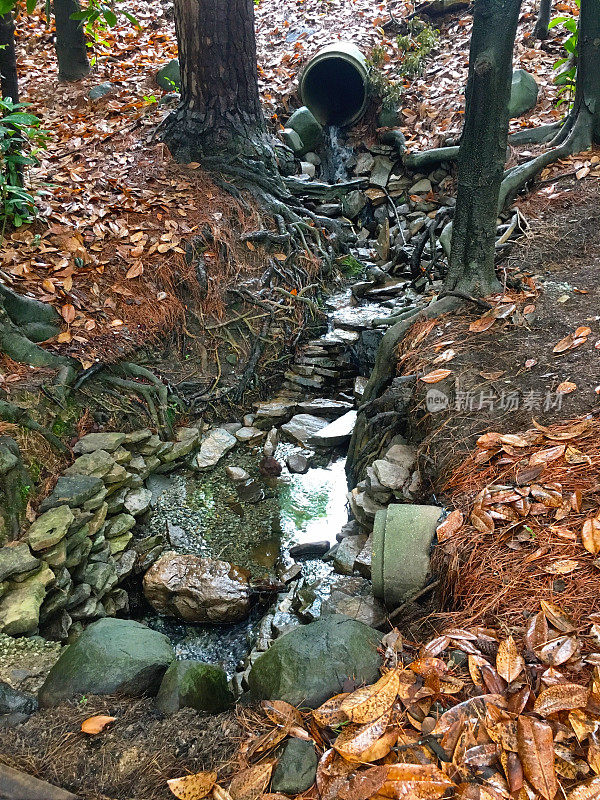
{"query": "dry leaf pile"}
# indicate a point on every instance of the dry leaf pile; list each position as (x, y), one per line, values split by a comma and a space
(471, 715)
(526, 524)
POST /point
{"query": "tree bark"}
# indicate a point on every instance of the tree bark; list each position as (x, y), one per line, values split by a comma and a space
(8, 60)
(543, 20)
(219, 114)
(483, 148)
(585, 115)
(71, 49)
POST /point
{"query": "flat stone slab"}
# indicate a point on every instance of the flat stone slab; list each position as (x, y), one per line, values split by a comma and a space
(213, 448)
(409, 534)
(100, 441)
(16, 785)
(302, 426)
(49, 528)
(15, 559)
(323, 407)
(356, 318)
(337, 432)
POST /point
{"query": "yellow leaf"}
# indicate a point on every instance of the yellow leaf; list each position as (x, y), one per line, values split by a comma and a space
(250, 783)
(536, 750)
(370, 702)
(509, 662)
(566, 387)
(330, 714)
(561, 697)
(96, 724)
(354, 739)
(590, 535)
(192, 787)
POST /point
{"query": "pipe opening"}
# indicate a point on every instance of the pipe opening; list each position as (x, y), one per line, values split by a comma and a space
(334, 90)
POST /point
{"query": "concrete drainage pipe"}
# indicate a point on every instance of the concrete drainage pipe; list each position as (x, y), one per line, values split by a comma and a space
(334, 85)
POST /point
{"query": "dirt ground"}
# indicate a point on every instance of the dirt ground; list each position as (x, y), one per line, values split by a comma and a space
(506, 376)
(132, 759)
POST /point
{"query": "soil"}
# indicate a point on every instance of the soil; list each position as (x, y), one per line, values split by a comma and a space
(132, 759)
(503, 378)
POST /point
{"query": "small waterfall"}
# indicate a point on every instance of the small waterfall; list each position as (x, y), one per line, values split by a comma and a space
(336, 155)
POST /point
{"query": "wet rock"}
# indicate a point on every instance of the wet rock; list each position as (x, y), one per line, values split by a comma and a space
(296, 768)
(302, 426)
(313, 159)
(197, 589)
(99, 441)
(269, 467)
(353, 203)
(337, 432)
(307, 128)
(180, 449)
(308, 169)
(293, 141)
(274, 412)
(112, 656)
(49, 528)
(297, 463)
(15, 559)
(421, 187)
(362, 563)
(73, 490)
(137, 501)
(324, 407)
(397, 139)
(12, 701)
(309, 549)
(351, 528)
(363, 507)
(347, 553)
(392, 476)
(237, 474)
(194, 684)
(271, 443)
(20, 606)
(353, 597)
(250, 492)
(101, 90)
(249, 435)
(313, 662)
(523, 93)
(382, 168)
(168, 76)
(214, 446)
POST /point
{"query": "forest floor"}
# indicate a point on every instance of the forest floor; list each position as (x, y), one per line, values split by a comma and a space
(124, 210)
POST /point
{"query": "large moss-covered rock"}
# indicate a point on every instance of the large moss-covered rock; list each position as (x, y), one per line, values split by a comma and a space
(194, 684)
(523, 93)
(112, 656)
(313, 662)
(306, 126)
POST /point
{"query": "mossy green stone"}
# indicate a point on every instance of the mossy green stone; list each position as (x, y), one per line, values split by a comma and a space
(194, 684)
(313, 662)
(112, 656)
(49, 528)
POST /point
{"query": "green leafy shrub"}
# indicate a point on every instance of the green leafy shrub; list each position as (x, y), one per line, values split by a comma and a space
(415, 46)
(566, 67)
(21, 139)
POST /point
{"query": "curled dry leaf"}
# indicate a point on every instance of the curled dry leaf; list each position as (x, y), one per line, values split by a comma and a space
(193, 787)
(590, 535)
(509, 662)
(586, 791)
(537, 632)
(219, 793)
(330, 714)
(473, 708)
(436, 375)
(282, 713)
(558, 651)
(370, 702)
(557, 617)
(67, 312)
(572, 432)
(561, 697)
(250, 783)
(562, 566)
(535, 744)
(96, 724)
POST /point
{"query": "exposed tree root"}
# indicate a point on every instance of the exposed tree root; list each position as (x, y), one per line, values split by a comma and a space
(126, 376)
(429, 158)
(384, 372)
(10, 412)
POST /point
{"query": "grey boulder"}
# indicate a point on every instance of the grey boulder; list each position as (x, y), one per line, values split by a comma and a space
(523, 93)
(313, 662)
(112, 656)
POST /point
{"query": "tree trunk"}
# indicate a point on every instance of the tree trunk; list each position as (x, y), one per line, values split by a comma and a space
(585, 115)
(219, 114)
(71, 49)
(8, 59)
(541, 26)
(483, 147)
